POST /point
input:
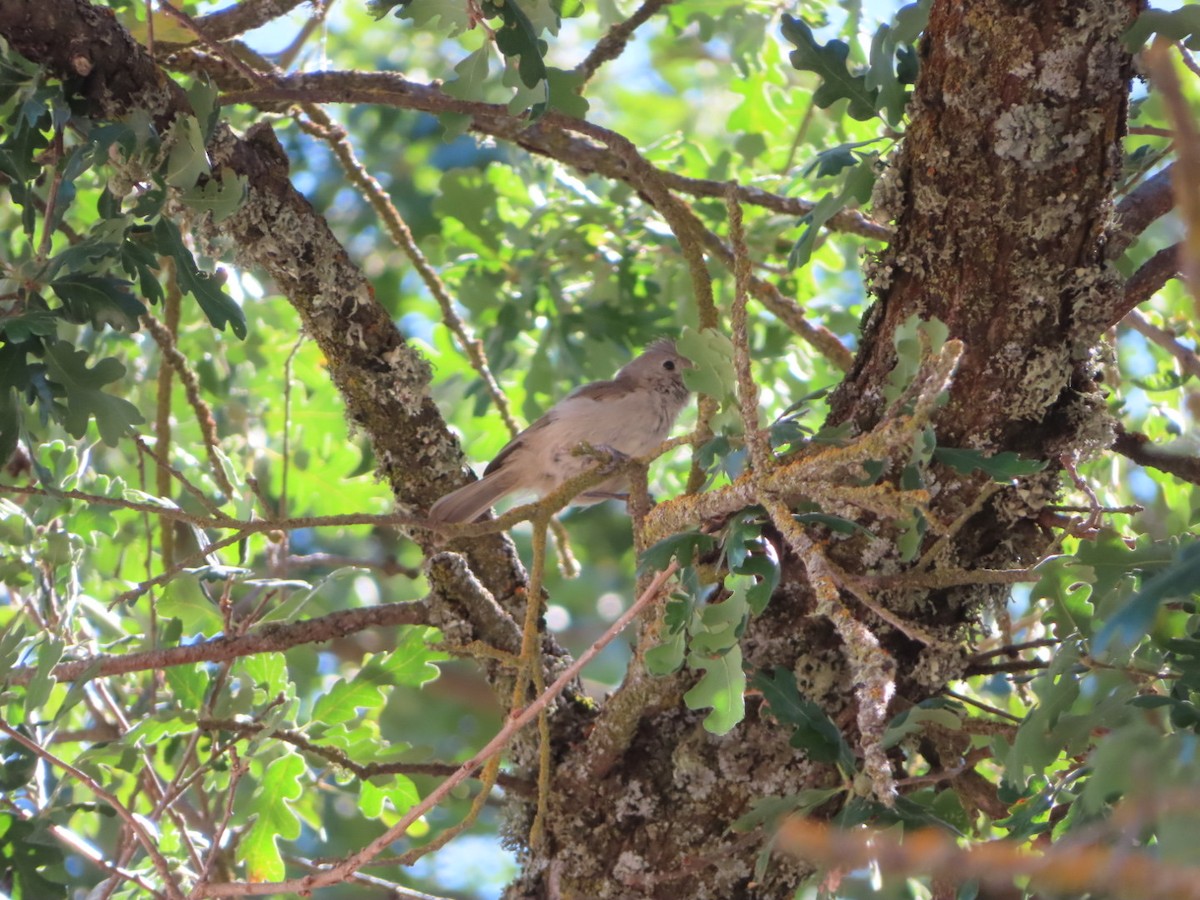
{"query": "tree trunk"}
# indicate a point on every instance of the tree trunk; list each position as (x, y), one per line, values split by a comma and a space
(1002, 198)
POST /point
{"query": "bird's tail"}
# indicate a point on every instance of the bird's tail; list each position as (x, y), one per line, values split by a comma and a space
(470, 502)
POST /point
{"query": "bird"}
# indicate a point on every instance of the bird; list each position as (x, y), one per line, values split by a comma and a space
(627, 416)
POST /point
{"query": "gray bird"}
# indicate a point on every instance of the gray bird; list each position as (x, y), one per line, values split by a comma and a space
(629, 416)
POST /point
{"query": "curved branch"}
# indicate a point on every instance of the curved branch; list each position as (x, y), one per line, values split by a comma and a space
(1149, 201)
(339, 758)
(613, 43)
(264, 639)
(549, 136)
(1141, 450)
(1188, 361)
(1146, 281)
(244, 16)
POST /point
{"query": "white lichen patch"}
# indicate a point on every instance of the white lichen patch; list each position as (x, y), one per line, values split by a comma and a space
(629, 865)
(1046, 374)
(635, 803)
(1034, 135)
(1059, 75)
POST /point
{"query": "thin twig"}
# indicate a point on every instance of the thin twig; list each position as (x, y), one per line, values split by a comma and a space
(165, 339)
(149, 844)
(272, 637)
(756, 438)
(338, 873)
(215, 46)
(1189, 362)
(1147, 281)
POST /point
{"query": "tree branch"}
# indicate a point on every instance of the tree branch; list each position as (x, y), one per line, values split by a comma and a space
(1146, 281)
(337, 873)
(339, 758)
(1141, 450)
(263, 639)
(1188, 361)
(149, 844)
(243, 16)
(549, 136)
(1146, 203)
(613, 43)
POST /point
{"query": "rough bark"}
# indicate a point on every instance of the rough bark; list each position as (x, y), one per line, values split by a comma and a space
(1002, 202)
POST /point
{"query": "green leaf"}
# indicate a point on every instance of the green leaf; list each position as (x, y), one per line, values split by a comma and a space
(829, 162)
(516, 37)
(34, 323)
(827, 207)
(29, 855)
(218, 306)
(76, 692)
(202, 97)
(668, 656)
(711, 354)
(472, 72)
(719, 625)
(856, 186)
(683, 547)
(1002, 467)
(17, 763)
(138, 260)
(1179, 580)
(828, 61)
(346, 700)
(909, 340)
(220, 197)
(114, 416)
(722, 687)
(815, 732)
(564, 94)
(274, 819)
(43, 681)
(189, 684)
(764, 570)
(401, 795)
(770, 811)
(937, 711)
(188, 159)
(1179, 25)
(449, 18)
(410, 663)
(10, 644)
(99, 299)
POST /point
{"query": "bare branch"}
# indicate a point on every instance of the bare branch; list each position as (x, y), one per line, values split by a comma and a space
(1067, 869)
(1189, 362)
(387, 567)
(1141, 450)
(338, 873)
(149, 844)
(1146, 281)
(263, 639)
(613, 43)
(1149, 201)
(243, 16)
(338, 757)
(549, 136)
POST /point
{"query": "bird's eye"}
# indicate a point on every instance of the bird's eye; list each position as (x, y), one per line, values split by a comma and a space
(669, 365)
